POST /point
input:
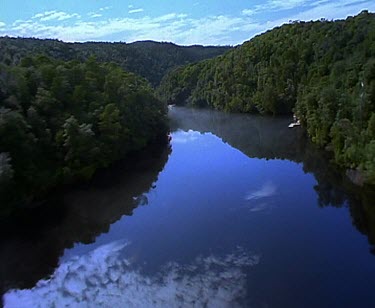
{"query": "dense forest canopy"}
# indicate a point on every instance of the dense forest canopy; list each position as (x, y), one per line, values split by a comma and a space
(67, 109)
(324, 71)
(65, 113)
(148, 59)
(60, 121)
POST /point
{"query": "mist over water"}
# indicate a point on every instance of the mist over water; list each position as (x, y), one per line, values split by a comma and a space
(240, 212)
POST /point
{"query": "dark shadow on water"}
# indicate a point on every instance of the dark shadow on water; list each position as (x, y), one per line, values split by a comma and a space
(32, 242)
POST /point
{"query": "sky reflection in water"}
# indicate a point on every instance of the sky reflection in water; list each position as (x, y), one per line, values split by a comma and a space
(223, 225)
(102, 278)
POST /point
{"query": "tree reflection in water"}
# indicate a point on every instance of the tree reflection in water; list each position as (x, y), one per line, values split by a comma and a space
(30, 248)
(270, 138)
(32, 244)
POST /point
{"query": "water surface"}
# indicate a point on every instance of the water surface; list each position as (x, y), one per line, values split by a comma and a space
(240, 212)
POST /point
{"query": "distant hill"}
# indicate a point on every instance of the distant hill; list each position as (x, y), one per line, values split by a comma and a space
(324, 71)
(149, 59)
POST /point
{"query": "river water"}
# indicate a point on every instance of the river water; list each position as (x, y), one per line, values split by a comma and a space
(239, 211)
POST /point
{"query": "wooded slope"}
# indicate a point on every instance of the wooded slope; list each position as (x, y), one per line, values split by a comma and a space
(324, 71)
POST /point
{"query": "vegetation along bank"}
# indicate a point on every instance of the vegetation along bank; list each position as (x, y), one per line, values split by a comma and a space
(324, 71)
(61, 121)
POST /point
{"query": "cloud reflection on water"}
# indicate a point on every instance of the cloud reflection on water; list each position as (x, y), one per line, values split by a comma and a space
(186, 136)
(268, 189)
(104, 278)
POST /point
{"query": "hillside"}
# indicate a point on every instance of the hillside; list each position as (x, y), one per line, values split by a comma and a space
(148, 59)
(68, 109)
(61, 121)
(324, 71)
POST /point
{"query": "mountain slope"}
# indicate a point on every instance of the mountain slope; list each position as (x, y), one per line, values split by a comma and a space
(324, 71)
(148, 59)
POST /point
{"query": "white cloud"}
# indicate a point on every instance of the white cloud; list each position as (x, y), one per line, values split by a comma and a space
(2, 24)
(248, 12)
(104, 278)
(99, 13)
(170, 27)
(39, 15)
(321, 2)
(328, 10)
(105, 8)
(170, 17)
(305, 7)
(59, 16)
(135, 11)
(284, 4)
(178, 28)
(54, 15)
(274, 5)
(94, 15)
(333, 10)
(19, 21)
(212, 30)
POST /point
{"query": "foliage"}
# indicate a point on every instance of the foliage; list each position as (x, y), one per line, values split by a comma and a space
(148, 59)
(323, 71)
(60, 121)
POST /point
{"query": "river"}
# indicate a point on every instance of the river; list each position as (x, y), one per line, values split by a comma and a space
(239, 211)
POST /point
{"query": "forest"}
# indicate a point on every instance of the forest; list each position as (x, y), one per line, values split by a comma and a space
(323, 71)
(148, 59)
(60, 121)
(68, 109)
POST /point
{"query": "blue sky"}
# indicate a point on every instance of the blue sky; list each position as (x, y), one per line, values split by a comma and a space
(209, 22)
